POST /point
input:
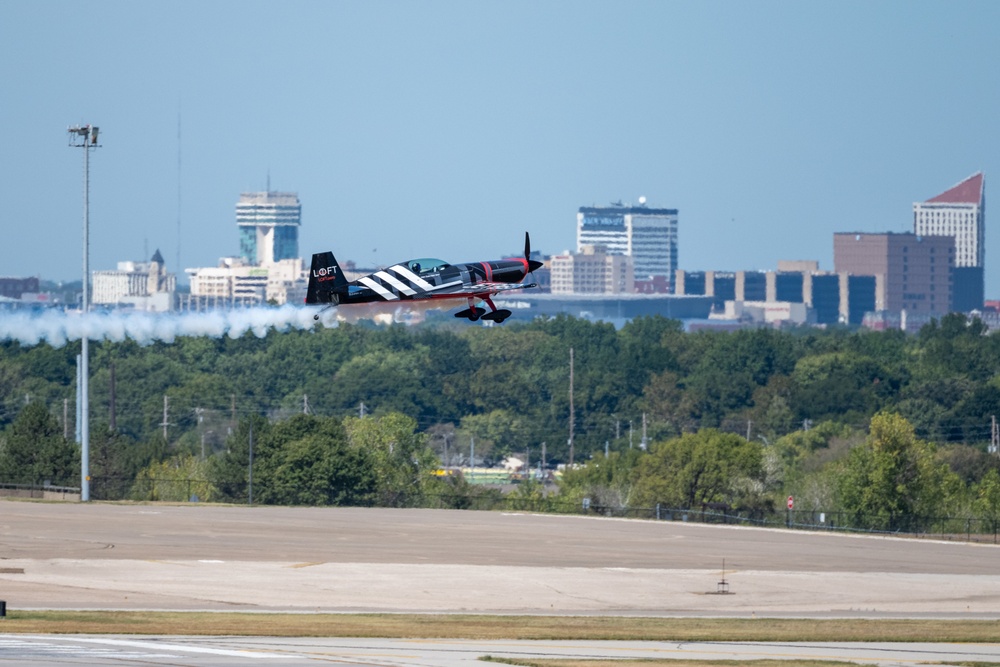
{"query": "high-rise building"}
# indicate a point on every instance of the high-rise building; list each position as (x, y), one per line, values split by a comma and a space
(912, 273)
(647, 235)
(960, 212)
(269, 226)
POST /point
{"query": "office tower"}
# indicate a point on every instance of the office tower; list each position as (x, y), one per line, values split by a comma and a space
(269, 226)
(647, 235)
(912, 273)
(960, 212)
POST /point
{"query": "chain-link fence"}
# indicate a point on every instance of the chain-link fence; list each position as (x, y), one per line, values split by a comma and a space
(493, 499)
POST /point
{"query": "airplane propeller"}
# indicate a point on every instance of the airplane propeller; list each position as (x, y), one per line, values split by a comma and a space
(532, 264)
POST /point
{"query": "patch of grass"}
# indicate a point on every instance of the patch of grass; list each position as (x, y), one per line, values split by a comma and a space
(469, 626)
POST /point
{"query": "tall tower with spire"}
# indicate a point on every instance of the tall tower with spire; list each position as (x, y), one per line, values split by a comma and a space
(269, 226)
(960, 212)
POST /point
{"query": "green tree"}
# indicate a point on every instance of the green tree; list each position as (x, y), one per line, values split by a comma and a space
(178, 479)
(403, 466)
(229, 471)
(842, 384)
(320, 470)
(957, 346)
(987, 503)
(893, 481)
(116, 459)
(34, 450)
(609, 482)
(497, 433)
(699, 468)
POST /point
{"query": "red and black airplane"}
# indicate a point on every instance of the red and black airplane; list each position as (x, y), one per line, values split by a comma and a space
(423, 279)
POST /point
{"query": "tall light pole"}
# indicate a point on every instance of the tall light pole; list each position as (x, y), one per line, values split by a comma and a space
(85, 137)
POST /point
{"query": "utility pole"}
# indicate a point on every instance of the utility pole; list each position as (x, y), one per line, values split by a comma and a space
(472, 457)
(305, 404)
(113, 420)
(571, 413)
(65, 419)
(361, 410)
(250, 467)
(994, 436)
(749, 424)
(79, 397)
(644, 443)
(166, 409)
(85, 137)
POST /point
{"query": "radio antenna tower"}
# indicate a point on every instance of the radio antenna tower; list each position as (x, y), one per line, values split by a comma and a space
(85, 137)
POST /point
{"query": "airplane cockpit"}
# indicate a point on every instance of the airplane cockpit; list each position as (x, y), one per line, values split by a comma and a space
(427, 266)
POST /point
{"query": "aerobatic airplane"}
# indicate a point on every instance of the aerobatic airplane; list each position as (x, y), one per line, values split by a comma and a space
(423, 279)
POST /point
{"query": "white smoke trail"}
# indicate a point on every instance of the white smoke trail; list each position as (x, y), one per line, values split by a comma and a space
(57, 327)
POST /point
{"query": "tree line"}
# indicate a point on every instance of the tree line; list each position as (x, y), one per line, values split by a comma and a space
(801, 402)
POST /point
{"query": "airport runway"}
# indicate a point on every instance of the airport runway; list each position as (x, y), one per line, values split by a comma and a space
(203, 557)
(125, 650)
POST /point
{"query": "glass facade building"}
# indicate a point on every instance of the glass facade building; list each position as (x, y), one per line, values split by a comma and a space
(269, 226)
(647, 235)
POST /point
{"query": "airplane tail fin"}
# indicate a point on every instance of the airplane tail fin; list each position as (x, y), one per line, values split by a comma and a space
(326, 280)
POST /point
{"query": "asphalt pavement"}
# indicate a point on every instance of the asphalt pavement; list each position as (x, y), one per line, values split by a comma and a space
(209, 557)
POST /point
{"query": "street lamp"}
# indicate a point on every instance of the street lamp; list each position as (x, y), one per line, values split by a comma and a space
(85, 137)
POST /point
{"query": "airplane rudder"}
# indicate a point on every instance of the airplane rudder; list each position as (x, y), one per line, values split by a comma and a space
(325, 276)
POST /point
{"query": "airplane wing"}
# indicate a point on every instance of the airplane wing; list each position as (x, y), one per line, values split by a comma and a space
(457, 289)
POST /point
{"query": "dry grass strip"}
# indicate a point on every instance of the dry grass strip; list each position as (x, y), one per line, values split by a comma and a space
(461, 626)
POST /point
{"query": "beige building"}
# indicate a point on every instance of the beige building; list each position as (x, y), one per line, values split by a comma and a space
(592, 271)
(142, 285)
(236, 281)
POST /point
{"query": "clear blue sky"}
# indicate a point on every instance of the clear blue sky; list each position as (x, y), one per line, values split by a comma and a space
(448, 128)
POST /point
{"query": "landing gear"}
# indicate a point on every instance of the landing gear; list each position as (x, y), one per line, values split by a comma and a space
(474, 313)
(497, 316)
(317, 315)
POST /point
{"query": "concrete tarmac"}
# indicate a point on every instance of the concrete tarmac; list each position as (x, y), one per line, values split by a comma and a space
(146, 651)
(205, 557)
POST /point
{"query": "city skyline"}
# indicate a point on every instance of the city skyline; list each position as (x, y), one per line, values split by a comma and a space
(447, 129)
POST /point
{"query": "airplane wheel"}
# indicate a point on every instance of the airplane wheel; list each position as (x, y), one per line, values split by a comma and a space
(316, 317)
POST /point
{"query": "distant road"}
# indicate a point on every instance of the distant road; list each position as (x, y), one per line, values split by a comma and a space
(107, 556)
